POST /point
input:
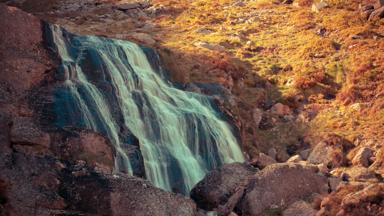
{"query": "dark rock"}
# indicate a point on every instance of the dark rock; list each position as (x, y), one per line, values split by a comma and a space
(120, 195)
(280, 185)
(220, 185)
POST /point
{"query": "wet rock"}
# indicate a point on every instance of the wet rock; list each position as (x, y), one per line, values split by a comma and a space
(362, 157)
(219, 185)
(331, 152)
(280, 185)
(25, 132)
(299, 208)
(262, 160)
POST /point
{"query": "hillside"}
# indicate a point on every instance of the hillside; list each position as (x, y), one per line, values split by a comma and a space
(300, 78)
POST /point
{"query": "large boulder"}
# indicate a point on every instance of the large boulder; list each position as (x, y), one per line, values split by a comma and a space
(119, 195)
(330, 152)
(218, 186)
(280, 185)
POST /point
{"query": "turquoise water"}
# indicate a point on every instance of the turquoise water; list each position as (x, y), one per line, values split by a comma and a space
(112, 87)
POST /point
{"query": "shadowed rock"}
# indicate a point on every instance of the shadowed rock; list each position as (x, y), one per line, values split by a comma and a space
(280, 185)
(221, 184)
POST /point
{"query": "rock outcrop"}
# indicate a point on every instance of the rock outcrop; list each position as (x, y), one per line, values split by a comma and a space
(222, 187)
(280, 185)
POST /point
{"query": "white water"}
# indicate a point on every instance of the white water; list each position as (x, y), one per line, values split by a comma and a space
(181, 135)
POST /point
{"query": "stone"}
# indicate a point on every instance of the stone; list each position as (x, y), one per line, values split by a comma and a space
(354, 199)
(262, 160)
(331, 152)
(25, 132)
(305, 154)
(377, 14)
(272, 152)
(361, 174)
(334, 183)
(299, 208)
(362, 157)
(317, 7)
(143, 38)
(295, 159)
(219, 185)
(281, 185)
(204, 31)
(281, 109)
(366, 11)
(257, 115)
(209, 46)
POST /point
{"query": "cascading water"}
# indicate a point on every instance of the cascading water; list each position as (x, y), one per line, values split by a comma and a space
(111, 87)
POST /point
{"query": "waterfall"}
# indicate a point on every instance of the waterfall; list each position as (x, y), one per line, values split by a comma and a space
(111, 87)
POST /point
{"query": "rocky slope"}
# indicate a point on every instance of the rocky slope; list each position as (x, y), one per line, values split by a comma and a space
(305, 83)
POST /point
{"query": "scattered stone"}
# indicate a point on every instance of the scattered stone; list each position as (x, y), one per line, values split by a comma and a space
(295, 159)
(262, 160)
(281, 109)
(362, 157)
(367, 35)
(377, 14)
(209, 46)
(330, 152)
(334, 183)
(317, 7)
(257, 115)
(272, 153)
(305, 154)
(361, 174)
(219, 185)
(299, 208)
(280, 185)
(143, 38)
(366, 11)
(204, 31)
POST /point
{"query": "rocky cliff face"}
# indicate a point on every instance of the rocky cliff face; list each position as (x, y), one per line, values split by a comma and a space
(57, 172)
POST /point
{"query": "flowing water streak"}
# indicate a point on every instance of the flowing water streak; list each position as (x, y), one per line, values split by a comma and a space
(181, 134)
